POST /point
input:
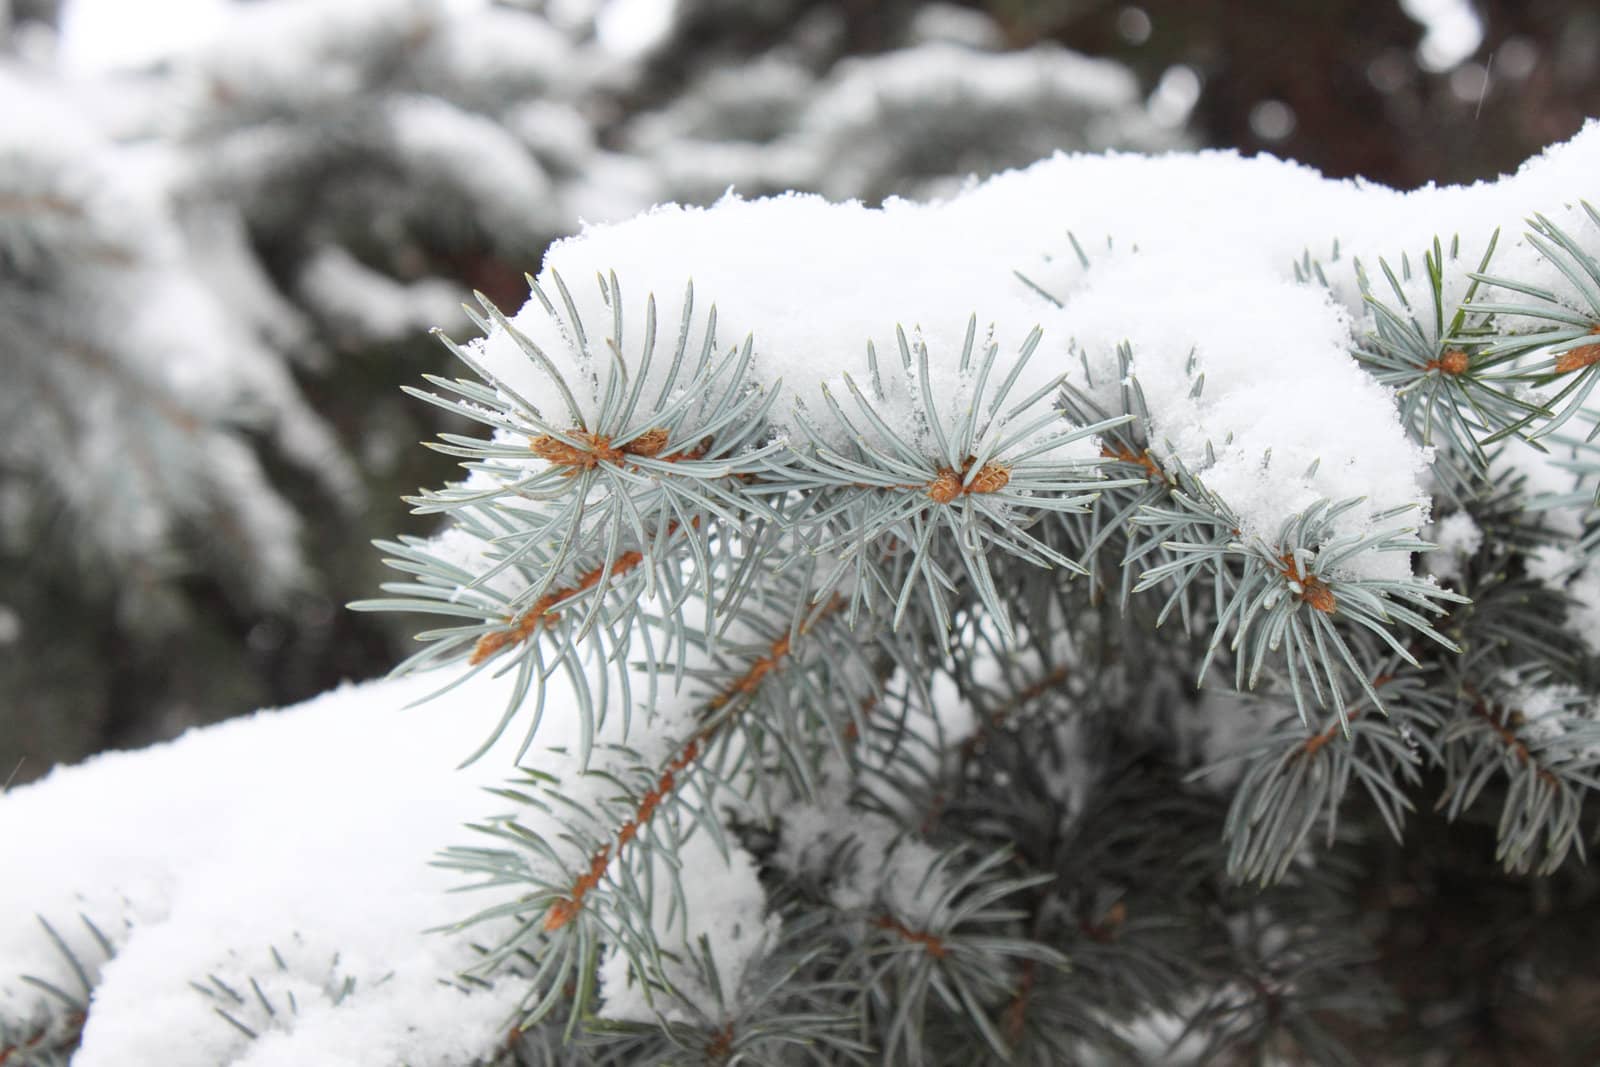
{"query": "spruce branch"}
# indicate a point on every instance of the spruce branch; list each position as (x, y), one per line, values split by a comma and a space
(791, 1003)
(1101, 536)
(1561, 346)
(1548, 762)
(657, 444)
(972, 479)
(1296, 777)
(627, 476)
(559, 924)
(795, 592)
(1285, 595)
(960, 949)
(1292, 980)
(1454, 392)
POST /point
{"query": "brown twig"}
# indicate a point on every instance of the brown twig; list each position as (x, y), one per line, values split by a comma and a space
(1139, 459)
(852, 732)
(1452, 361)
(1017, 1010)
(594, 449)
(932, 944)
(949, 484)
(74, 1021)
(1582, 356)
(540, 615)
(1313, 590)
(11, 203)
(721, 1046)
(1003, 714)
(994, 721)
(1314, 744)
(1514, 744)
(564, 910)
(1109, 927)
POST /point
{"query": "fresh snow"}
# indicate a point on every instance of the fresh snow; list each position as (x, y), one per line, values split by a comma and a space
(1191, 259)
(308, 831)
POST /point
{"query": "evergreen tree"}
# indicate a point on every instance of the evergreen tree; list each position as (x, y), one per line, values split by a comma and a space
(831, 653)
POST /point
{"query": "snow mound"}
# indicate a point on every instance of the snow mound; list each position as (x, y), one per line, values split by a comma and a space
(1190, 258)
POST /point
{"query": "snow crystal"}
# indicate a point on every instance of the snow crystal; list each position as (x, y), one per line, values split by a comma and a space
(1544, 713)
(1542, 709)
(1458, 534)
(1268, 410)
(1547, 479)
(1222, 727)
(1552, 565)
(950, 24)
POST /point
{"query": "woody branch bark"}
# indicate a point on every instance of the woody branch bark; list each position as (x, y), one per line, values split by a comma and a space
(563, 911)
(543, 615)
